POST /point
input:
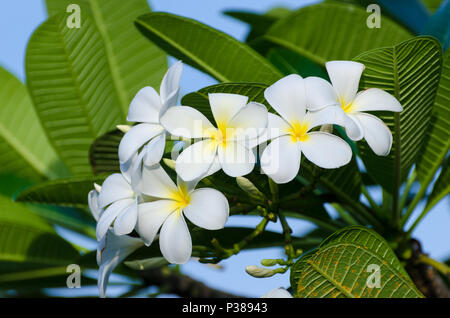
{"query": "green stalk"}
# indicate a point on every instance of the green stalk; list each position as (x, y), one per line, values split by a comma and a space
(408, 185)
(372, 202)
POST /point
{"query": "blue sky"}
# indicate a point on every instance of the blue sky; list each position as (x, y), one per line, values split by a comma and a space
(19, 18)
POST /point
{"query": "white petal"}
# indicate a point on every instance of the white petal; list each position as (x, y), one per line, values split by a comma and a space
(151, 216)
(110, 214)
(249, 122)
(135, 138)
(319, 93)
(114, 188)
(186, 121)
(235, 159)
(208, 208)
(345, 76)
(376, 133)
(154, 150)
(94, 207)
(112, 252)
(276, 127)
(353, 127)
(327, 115)
(126, 168)
(145, 106)
(373, 99)
(156, 182)
(224, 106)
(326, 150)
(126, 220)
(196, 159)
(288, 97)
(281, 159)
(175, 240)
(277, 293)
(170, 85)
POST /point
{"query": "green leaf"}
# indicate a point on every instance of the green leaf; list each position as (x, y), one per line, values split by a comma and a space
(72, 192)
(72, 88)
(332, 31)
(410, 72)
(103, 153)
(432, 5)
(441, 187)
(437, 140)
(259, 23)
(339, 268)
(28, 242)
(289, 62)
(132, 60)
(197, 44)
(24, 147)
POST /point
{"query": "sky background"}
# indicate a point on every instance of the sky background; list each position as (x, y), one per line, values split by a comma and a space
(19, 18)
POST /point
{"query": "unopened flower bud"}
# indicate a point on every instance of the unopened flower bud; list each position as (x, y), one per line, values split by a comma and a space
(259, 272)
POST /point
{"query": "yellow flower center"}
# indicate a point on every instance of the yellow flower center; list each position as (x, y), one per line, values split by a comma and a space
(347, 107)
(180, 197)
(298, 131)
(220, 134)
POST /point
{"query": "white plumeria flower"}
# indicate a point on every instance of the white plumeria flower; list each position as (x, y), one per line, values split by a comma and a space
(205, 207)
(120, 203)
(277, 293)
(345, 76)
(229, 146)
(291, 135)
(146, 108)
(111, 249)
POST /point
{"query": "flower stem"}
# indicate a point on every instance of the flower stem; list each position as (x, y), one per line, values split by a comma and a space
(441, 267)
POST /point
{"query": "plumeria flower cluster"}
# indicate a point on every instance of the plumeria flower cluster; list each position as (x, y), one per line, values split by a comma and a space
(143, 203)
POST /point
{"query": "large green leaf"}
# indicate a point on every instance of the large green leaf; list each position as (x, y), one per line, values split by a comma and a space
(410, 71)
(441, 187)
(133, 61)
(72, 88)
(103, 153)
(437, 140)
(71, 191)
(28, 241)
(333, 31)
(24, 147)
(207, 49)
(339, 268)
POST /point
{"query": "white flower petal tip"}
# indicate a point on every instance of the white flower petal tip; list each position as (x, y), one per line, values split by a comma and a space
(281, 159)
(375, 99)
(186, 122)
(170, 85)
(175, 240)
(345, 76)
(326, 150)
(376, 133)
(288, 97)
(111, 252)
(208, 208)
(114, 188)
(135, 138)
(277, 293)
(145, 106)
(319, 94)
(94, 207)
(224, 106)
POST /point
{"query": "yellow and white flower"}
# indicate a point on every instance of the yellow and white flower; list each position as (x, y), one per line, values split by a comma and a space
(291, 133)
(170, 203)
(146, 108)
(229, 146)
(345, 77)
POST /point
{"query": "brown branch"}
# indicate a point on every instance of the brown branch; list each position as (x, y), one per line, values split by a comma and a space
(182, 285)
